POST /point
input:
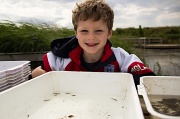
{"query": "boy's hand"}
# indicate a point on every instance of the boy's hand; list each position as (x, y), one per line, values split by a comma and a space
(37, 72)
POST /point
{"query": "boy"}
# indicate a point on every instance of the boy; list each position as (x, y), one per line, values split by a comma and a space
(90, 49)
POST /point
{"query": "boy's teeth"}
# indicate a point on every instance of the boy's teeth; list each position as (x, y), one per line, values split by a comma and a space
(91, 43)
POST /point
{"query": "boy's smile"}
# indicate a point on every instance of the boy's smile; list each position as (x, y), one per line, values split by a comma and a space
(91, 44)
(92, 37)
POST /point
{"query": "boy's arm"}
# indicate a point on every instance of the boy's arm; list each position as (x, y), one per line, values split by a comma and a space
(37, 72)
(138, 69)
(43, 68)
(132, 64)
(137, 77)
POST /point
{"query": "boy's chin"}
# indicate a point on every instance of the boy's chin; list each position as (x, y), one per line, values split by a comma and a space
(93, 52)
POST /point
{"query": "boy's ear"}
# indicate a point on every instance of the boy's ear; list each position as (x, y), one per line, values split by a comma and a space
(110, 34)
(75, 32)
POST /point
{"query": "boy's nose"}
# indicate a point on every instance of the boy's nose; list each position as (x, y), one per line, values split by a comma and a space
(91, 36)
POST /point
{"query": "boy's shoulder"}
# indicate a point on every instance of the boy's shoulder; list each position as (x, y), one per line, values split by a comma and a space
(119, 50)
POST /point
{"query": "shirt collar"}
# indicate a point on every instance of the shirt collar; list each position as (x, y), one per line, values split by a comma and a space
(75, 54)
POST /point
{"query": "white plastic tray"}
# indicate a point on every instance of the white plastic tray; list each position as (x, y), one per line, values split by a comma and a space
(156, 88)
(76, 95)
(7, 65)
(13, 73)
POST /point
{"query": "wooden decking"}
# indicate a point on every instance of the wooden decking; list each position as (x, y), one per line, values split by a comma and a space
(161, 46)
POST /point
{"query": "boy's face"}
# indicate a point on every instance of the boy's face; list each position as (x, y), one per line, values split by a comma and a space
(92, 36)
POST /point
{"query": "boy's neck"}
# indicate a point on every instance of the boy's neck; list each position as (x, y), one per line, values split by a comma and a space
(91, 58)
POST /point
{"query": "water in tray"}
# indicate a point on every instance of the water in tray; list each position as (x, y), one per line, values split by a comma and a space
(166, 104)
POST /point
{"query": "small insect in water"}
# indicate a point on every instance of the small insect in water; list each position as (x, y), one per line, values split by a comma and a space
(70, 116)
(47, 100)
(55, 94)
(70, 94)
(114, 99)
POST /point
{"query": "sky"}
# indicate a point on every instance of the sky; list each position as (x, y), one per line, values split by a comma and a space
(128, 13)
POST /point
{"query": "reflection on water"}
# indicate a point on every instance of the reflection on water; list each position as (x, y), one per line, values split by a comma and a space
(162, 61)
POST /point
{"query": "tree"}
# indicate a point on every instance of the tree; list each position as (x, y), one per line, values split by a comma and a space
(141, 33)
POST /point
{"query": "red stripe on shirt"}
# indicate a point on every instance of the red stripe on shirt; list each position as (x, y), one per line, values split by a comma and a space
(46, 63)
(138, 68)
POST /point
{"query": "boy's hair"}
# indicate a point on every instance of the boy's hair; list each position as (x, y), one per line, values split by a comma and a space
(93, 9)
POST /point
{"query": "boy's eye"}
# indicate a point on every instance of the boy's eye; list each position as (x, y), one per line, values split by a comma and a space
(98, 31)
(84, 31)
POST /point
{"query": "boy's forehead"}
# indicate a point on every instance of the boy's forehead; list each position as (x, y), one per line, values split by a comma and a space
(100, 21)
(92, 23)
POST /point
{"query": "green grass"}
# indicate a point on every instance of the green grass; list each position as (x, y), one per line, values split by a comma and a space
(26, 37)
(29, 37)
(125, 44)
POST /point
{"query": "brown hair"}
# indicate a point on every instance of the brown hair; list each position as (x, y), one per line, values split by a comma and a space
(93, 9)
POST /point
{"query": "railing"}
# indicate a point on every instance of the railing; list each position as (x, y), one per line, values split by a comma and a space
(34, 56)
(150, 42)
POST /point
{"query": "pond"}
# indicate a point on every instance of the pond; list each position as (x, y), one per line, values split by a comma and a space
(162, 61)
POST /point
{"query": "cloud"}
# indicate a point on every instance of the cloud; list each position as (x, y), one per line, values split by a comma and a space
(147, 13)
(174, 9)
(60, 1)
(37, 12)
(128, 13)
(133, 15)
